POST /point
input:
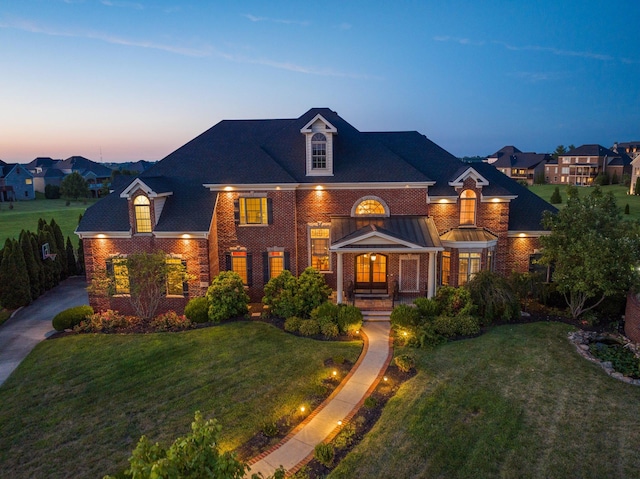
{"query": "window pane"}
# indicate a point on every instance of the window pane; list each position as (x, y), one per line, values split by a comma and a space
(121, 276)
(370, 207)
(379, 267)
(276, 264)
(468, 208)
(446, 268)
(174, 277)
(319, 248)
(253, 211)
(239, 265)
(318, 151)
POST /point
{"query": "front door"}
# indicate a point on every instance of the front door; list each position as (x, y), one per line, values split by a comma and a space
(371, 273)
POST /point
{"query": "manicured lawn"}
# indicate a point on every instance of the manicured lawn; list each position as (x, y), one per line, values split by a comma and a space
(25, 215)
(77, 405)
(518, 402)
(619, 192)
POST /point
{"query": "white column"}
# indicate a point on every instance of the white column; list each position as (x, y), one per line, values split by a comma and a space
(339, 281)
(431, 282)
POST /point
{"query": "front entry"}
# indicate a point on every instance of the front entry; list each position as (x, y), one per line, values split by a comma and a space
(371, 273)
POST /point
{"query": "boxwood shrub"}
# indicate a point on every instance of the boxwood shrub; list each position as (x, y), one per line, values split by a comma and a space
(197, 310)
(292, 324)
(349, 319)
(69, 318)
(309, 327)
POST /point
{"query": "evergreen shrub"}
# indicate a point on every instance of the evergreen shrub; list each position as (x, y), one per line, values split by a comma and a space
(227, 297)
(324, 454)
(69, 318)
(292, 324)
(405, 362)
(460, 325)
(494, 297)
(309, 327)
(197, 310)
(349, 319)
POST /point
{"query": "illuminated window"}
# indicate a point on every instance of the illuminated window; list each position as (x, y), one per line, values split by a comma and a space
(318, 152)
(143, 214)
(240, 262)
(370, 207)
(28, 181)
(468, 266)
(253, 211)
(276, 263)
(445, 268)
(175, 277)
(319, 248)
(467, 208)
(117, 270)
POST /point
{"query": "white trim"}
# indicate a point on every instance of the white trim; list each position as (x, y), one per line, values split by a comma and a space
(181, 234)
(138, 183)
(307, 128)
(442, 200)
(230, 188)
(470, 173)
(497, 199)
(103, 234)
(375, 234)
(460, 245)
(527, 234)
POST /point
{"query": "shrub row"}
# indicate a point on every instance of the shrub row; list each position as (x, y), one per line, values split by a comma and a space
(110, 321)
(329, 319)
(70, 318)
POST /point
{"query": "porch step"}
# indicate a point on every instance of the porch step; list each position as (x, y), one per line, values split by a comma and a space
(376, 316)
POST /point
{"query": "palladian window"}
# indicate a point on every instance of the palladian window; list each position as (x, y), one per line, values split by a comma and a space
(142, 208)
(370, 206)
(468, 208)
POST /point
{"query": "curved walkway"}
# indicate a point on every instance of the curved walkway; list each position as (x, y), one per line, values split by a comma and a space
(31, 324)
(297, 448)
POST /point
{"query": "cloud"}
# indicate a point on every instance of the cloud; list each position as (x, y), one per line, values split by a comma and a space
(535, 77)
(344, 26)
(461, 41)
(254, 18)
(105, 37)
(135, 6)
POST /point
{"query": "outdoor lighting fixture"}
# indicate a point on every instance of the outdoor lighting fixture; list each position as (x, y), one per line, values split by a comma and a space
(404, 333)
(102, 235)
(302, 408)
(522, 235)
(339, 423)
(373, 256)
(385, 378)
(186, 236)
(358, 331)
(228, 188)
(335, 373)
(319, 188)
(496, 200)
(443, 201)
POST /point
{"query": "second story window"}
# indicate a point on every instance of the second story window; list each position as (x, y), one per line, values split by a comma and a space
(318, 151)
(142, 209)
(253, 211)
(468, 208)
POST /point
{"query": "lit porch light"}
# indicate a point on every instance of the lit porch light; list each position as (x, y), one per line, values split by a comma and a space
(373, 256)
(496, 200)
(522, 235)
(319, 187)
(102, 235)
(228, 188)
(443, 201)
(186, 236)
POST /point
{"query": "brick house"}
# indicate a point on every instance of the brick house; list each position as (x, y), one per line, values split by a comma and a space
(376, 213)
(581, 165)
(524, 167)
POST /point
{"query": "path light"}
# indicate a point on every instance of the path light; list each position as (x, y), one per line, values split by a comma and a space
(404, 333)
(385, 378)
(302, 408)
(339, 423)
(335, 373)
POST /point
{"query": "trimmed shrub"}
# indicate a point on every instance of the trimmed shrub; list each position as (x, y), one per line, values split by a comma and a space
(428, 308)
(108, 321)
(404, 316)
(227, 297)
(494, 297)
(454, 301)
(426, 335)
(346, 436)
(324, 454)
(329, 330)
(280, 295)
(171, 321)
(312, 291)
(292, 324)
(197, 310)
(326, 310)
(405, 362)
(461, 325)
(555, 199)
(309, 327)
(69, 318)
(349, 319)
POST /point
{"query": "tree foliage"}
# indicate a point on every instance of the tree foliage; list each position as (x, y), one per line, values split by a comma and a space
(74, 186)
(593, 251)
(289, 296)
(15, 291)
(227, 297)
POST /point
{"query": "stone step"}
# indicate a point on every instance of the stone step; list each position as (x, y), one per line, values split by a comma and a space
(376, 316)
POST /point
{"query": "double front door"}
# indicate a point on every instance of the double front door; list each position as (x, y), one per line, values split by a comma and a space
(371, 273)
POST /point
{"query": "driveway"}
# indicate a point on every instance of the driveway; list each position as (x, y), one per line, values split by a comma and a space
(32, 324)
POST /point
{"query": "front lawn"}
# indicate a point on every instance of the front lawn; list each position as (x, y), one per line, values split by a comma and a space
(77, 405)
(621, 194)
(25, 215)
(517, 402)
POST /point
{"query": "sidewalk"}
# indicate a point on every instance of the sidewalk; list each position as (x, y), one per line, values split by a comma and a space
(298, 447)
(31, 324)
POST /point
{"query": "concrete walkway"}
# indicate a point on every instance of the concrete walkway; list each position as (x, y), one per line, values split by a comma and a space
(31, 324)
(298, 447)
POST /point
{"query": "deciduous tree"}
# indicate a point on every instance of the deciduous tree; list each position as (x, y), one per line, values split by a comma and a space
(593, 251)
(74, 186)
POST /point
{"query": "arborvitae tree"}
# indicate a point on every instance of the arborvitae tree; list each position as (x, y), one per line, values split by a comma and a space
(51, 268)
(72, 268)
(37, 254)
(60, 249)
(556, 199)
(15, 290)
(33, 269)
(626, 209)
(41, 223)
(80, 264)
(614, 178)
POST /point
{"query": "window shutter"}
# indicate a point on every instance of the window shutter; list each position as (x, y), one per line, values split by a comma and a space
(265, 267)
(185, 284)
(227, 260)
(109, 267)
(269, 211)
(287, 260)
(236, 211)
(249, 269)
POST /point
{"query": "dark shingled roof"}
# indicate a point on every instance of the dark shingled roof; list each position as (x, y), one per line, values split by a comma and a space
(412, 229)
(83, 165)
(273, 152)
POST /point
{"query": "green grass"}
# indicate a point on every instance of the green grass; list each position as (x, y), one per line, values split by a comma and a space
(25, 215)
(517, 402)
(77, 405)
(619, 192)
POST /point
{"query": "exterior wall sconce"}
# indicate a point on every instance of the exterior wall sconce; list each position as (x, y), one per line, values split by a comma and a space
(373, 256)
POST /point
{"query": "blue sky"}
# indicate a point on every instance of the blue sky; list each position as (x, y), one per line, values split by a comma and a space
(127, 80)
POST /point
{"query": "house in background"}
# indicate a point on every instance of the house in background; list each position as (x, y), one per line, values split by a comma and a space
(631, 148)
(583, 164)
(47, 171)
(523, 167)
(16, 182)
(385, 213)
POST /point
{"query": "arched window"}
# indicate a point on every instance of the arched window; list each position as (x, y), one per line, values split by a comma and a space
(318, 151)
(142, 211)
(370, 207)
(468, 208)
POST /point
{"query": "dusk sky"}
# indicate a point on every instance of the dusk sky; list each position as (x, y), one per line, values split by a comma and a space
(119, 80)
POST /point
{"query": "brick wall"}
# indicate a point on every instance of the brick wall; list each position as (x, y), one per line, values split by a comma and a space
(632, 318)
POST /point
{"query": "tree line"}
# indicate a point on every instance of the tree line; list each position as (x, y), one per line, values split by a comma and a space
(25, 273)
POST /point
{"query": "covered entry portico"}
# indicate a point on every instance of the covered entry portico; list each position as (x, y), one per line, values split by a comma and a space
(376, 252)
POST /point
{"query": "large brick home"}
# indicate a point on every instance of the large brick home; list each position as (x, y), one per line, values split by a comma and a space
(376, 213)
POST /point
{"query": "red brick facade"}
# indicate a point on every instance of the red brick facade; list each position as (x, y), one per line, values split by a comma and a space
(632, 318)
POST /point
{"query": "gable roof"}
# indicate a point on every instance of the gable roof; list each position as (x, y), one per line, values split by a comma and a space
(83, 165)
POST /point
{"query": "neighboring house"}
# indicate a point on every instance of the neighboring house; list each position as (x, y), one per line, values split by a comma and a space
(581, 165)
(48, 176)
(95, 173)
(16, 182)
(632, 149)
(523, 167)
(376, 213)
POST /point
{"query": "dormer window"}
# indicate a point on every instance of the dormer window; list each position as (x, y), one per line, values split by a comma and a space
(318, 151)
(468, 208)
(142, 209)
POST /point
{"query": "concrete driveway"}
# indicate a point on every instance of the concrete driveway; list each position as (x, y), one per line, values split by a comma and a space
(32, 324)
